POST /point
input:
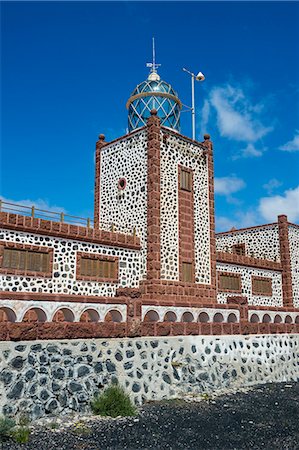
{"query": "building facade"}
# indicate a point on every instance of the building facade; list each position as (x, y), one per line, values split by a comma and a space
(151, 264)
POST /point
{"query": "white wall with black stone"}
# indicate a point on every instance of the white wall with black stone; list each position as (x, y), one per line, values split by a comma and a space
(260, 242)
(125, 209)
(59, 377)
(246, 274)
(63, 280)
(294, 255)
(175, 152)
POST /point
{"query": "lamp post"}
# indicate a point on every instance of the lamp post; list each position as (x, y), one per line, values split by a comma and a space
(199, 77)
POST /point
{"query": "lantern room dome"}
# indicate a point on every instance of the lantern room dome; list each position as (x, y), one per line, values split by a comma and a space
(154, 93)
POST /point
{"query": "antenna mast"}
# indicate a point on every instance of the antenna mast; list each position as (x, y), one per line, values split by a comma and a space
(153, 66)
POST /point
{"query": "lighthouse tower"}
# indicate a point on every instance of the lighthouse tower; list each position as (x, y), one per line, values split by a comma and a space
(158, 184)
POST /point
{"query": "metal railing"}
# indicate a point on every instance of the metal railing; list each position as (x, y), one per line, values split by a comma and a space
(62, 217)
(32, 211)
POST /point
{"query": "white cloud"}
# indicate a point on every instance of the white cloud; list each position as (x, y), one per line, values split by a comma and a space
(293, 145)
(228, 185)
(224, 223)
(249, 152)
(237, 118)
(39, 204)
(271, 185)
(271, 207)
(239, 220)
(205, 114)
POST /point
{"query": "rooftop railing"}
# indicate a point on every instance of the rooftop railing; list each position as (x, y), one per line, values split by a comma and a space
(62, 217)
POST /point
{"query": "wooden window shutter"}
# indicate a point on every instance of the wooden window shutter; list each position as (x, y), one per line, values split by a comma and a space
(185, 180)
(26, 260)
(187, 272)
(229, 282)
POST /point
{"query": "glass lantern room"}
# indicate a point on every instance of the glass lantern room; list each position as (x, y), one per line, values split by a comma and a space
(154, 93)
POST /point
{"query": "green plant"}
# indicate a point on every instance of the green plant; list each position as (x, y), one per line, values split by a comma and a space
(21, 434)
(24, 420)
(113, 402)
(53, 425)
(80, 428)
(206, 396)
(6, 426)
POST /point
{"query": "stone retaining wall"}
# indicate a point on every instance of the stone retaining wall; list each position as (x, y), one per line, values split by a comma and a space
(59, 377)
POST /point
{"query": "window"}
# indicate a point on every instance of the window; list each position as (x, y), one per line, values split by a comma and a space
(26, 260)
(229, 282)
(239, 249)
(122, 182)
(261, 286)
(187, 272)
(185, 180)
(98, 268)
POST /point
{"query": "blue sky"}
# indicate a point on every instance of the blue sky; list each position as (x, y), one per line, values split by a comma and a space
(68, 69)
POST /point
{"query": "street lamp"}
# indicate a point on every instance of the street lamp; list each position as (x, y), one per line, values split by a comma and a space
(199, 77)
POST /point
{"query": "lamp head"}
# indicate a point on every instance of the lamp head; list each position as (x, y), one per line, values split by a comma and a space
(200, 76)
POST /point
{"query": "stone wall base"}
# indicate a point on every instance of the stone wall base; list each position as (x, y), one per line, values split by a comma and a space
(61, 376)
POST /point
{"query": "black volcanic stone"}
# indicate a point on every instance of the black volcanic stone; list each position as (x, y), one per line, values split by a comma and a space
(30, 374)
(166, 378)
(6, 376)
(75, 387)
(58, 373)
(128, 365)
(118, 356)
(44, 395)
(20, 348)
(16, 391)
(36, 347)
(51, 405)
(83, 370)
(130, 353)
(110, 366)
(136, 387)
(17, 362)
(98, 367)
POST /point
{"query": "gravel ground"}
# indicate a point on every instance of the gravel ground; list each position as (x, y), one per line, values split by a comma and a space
(265, 417)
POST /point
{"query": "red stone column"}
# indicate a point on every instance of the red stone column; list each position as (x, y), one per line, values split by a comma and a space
(210, 160)
(153, 197)
(287, 290)
(186, 225)
(99, 145)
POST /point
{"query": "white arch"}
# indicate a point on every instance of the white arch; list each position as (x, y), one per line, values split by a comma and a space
(288, 319)
(10, 313)
(69, 315)
(93, 314)
(203, 317)
(218, 317)
(116, 315)
(151, 316)
(187, 316)
(40, 312)
(254, 318)
(277, 319)
(232, 318)
(170, 316)
(267, 318)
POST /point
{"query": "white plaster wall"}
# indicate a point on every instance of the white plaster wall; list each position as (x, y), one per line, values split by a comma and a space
(178, 151)
(63, 280)
(294, 254)
(246, 274)
(126, 208)
(261, 242)
(60, 377)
